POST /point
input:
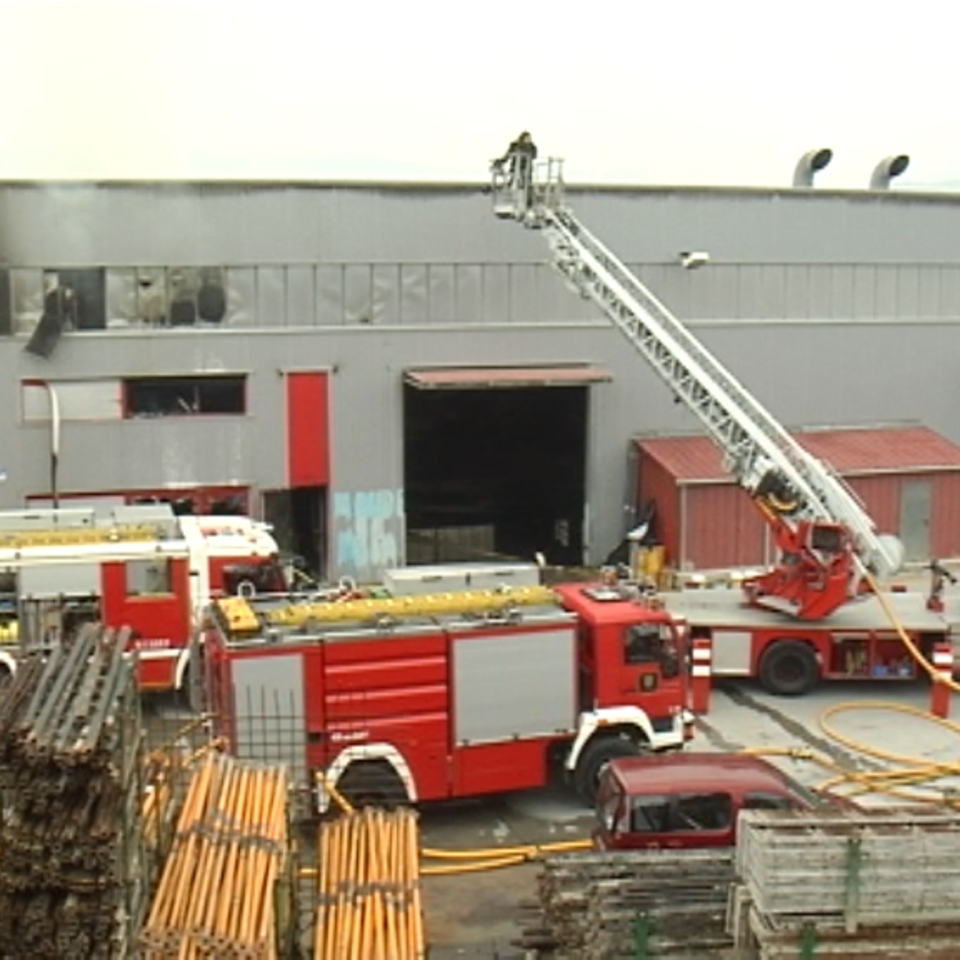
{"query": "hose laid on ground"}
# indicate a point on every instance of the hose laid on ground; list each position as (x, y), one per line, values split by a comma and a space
(494, 858)
(912, 770)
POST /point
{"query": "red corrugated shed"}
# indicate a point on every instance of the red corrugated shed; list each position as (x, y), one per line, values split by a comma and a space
(692, 459)
(908, 478)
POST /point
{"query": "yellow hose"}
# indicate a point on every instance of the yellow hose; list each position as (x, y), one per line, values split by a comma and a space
(488, 864)
(914, 650)
(528, 850)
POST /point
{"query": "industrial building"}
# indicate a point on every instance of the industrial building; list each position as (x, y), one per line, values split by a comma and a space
(390, 374)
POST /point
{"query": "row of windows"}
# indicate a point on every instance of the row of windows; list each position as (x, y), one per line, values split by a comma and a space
(159, 298)
(270, 295)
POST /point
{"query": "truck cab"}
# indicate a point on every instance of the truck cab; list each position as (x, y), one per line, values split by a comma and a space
(689, 800)
(630, 650)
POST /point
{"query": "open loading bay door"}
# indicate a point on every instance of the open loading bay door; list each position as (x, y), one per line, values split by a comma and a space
(495, 462)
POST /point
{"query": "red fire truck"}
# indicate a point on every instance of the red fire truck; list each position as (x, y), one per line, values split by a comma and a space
(140, 566)
(430, 696)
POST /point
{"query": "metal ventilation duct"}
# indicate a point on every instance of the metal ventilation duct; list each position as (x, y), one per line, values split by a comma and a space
(887, 169)
(810, 163)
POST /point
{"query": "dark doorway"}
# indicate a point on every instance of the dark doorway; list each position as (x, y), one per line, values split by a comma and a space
(299, 525)
(494, 473)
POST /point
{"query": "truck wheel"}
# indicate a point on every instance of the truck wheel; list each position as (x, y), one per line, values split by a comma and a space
(372, 783)
(789, 668)
(595, 757)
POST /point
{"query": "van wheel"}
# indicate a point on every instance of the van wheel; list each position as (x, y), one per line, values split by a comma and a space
(595, 757)
(789, 668)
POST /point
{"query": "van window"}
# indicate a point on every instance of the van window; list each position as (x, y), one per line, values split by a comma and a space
(649, 814)
(703, 811)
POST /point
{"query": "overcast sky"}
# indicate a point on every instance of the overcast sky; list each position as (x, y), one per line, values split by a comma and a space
(639, 91)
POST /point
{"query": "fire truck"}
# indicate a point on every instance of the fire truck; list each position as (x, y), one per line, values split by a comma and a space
(141, 566)
(810, 616)
(429, 696)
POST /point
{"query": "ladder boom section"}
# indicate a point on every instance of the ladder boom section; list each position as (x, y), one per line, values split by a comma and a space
(754, 444)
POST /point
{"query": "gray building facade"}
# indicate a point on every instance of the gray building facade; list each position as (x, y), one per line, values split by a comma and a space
(188, 308)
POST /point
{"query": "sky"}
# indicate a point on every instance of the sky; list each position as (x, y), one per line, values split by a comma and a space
(687, 92)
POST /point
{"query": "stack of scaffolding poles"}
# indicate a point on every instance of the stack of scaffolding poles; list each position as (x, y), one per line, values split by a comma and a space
(369, 887)
(167, 772)
(218, 895)
(71, 837)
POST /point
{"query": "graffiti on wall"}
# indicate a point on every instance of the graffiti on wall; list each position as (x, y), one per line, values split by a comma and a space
(368, 531)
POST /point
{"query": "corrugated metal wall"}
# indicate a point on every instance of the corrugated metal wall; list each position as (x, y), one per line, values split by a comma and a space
(721, 528)
(715, 525)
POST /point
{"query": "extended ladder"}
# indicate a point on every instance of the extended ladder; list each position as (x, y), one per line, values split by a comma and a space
(754, 444)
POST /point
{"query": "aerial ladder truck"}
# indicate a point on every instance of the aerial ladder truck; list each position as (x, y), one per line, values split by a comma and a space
(826, 540)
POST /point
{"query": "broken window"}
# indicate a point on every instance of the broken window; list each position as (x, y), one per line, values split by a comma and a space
(184, 396)
(165, 296)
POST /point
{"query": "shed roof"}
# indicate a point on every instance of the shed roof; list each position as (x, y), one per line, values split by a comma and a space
(851, 452)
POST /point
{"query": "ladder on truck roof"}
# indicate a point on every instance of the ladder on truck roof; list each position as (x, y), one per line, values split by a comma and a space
(756, 448)
(78, 536)
(244, 616)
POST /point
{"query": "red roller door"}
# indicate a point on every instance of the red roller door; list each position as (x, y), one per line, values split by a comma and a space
(308, 430)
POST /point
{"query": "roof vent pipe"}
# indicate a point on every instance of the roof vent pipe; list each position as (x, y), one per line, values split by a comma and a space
(810, 163)
(887, 169)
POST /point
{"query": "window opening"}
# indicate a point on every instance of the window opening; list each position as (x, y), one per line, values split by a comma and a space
(184, 396)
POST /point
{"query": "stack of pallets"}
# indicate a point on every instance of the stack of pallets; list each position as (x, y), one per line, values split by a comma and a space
(848, 885)
(608, 905)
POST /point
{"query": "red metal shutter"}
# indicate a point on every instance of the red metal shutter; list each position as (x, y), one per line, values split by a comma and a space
(308, 430)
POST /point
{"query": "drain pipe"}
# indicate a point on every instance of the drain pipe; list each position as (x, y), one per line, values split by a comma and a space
(54, 441)
(813, 161)
(887, 169)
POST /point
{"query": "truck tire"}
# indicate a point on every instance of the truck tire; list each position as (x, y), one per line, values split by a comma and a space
(789, 668)
(595, 756)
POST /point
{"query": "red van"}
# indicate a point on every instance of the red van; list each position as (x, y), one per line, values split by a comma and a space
(688, 800)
